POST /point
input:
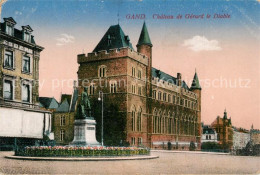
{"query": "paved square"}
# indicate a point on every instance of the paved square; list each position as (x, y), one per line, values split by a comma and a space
(168, 163)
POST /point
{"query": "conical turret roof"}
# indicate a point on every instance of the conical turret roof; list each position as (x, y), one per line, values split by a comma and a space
(195, 83)
(144, 38)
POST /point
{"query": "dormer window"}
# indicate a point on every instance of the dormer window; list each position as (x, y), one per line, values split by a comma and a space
(27, 30)
(9, 29)
(9, 26)
(26, 37)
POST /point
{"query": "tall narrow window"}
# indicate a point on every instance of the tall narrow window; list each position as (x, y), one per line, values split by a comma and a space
(62, 120)
(159, 95)
(139, 90)
(164, 96)
(132, 140)
(9, 30)
(26, 64)
(133, 88)
(92, 89)
(133, 71)
(102, 71)
(8, 89)
(133, 120)
(139, 74)
(139, 141)
(62, 135)
(154, 94)
(26, 93)
(113, 87)
(173, 99)
(139, 121)
(169, 98)
(9, 59)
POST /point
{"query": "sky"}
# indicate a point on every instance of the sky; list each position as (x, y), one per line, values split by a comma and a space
(224, 51)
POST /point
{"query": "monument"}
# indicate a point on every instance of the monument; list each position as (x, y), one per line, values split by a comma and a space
(84, 124)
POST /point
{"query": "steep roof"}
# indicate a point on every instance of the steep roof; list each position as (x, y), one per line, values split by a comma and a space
(164, 76)
(48, 102)
(113, 38)
(65, 96)
(144, 38)
(17, 33)
(208, 130)
(64, 106)
(195, 83)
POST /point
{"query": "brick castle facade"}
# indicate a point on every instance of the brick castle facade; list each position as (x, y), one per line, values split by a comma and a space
(158, 107)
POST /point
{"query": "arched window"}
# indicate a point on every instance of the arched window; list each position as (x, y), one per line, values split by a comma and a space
(102, 71)
(154, 120)
(133, 111)
(113, 86)
(139, 120)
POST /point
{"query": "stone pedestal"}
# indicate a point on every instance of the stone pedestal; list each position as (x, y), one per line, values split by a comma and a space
(85, 132)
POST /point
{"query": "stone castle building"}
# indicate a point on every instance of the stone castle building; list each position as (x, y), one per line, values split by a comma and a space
(159, 108)
(21, 118)
(223, 127)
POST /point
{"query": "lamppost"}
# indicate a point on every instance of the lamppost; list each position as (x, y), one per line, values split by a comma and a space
(101, 98)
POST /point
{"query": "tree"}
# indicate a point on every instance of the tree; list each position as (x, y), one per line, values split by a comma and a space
(114, 124)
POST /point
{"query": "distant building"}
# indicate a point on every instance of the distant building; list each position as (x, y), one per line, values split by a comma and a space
(63, 118)
(240, 138)
(255, 135)
(21, 119)
(223, 127)
(208, 134)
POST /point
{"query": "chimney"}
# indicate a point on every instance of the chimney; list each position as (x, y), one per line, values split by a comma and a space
(179, 79)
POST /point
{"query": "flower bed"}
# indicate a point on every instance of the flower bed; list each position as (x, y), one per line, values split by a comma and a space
(77, 151)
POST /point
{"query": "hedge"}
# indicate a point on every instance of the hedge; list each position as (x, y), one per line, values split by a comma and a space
(77, 151)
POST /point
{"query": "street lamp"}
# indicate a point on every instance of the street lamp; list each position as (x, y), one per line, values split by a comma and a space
(101, 98)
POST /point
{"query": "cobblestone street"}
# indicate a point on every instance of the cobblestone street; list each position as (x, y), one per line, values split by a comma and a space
(167, 163)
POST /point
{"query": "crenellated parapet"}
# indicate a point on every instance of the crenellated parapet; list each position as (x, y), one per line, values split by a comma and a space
(113, 53)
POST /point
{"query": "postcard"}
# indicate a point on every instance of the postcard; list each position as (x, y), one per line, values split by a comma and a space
(129, 87)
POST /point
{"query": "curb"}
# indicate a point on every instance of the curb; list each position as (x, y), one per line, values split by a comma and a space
(190, 152)
(80, 158)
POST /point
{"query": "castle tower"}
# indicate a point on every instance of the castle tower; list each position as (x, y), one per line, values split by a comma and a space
(196, 88)
(144, 46)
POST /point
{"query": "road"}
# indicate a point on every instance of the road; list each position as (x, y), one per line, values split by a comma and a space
(167, 163)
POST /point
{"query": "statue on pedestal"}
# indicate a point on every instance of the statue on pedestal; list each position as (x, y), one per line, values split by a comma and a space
(84, 108)
(84, 124)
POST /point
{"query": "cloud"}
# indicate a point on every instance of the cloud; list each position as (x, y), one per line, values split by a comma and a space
(18, 13)
(201, 43)
(65, 39)
(34, 9)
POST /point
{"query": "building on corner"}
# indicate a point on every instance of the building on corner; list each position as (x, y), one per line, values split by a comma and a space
(22, 120)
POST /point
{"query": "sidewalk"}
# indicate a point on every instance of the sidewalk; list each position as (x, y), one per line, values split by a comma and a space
(190, 152)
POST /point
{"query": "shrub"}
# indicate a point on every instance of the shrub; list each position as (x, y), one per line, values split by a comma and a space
(77, 151)
(192, 146)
